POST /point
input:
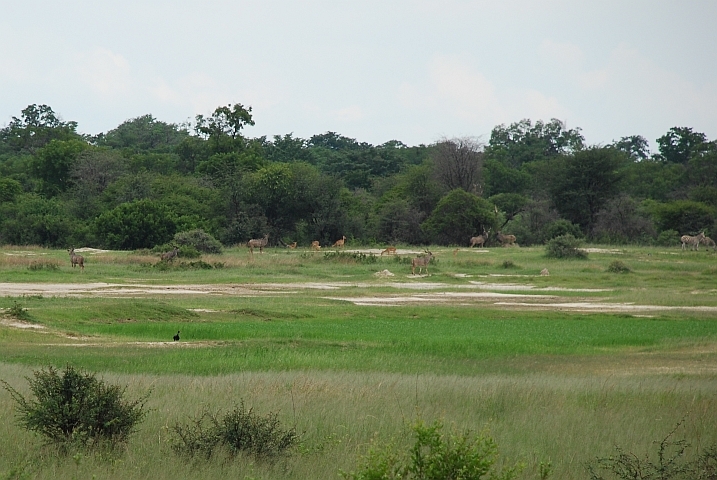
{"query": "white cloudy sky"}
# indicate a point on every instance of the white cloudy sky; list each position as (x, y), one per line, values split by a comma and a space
(374, 70)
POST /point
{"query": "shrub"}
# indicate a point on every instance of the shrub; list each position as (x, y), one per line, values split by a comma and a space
(562, 227)
(435, 455)
(509, 264)
(350, 257)
(200, 240)
(73, 407)
(669, 465)
(564, 246)
(616, 266)
(668, 238)
(239, 430)
(18, 312)
(43, 265)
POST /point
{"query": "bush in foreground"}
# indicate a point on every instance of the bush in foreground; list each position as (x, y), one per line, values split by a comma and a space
(435, 456)
(76, 408)
(564, 246)
(239, 430)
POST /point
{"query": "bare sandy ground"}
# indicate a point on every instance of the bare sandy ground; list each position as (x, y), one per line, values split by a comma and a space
(496, 294)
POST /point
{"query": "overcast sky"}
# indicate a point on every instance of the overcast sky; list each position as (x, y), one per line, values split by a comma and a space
(379, 70)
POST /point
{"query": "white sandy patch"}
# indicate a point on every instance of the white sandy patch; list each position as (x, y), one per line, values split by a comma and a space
(613, 307)
(22, 253)
(7, 322)
(384, 274)
(602, 250)
(442, 297)
(515, 286)
(91, 251)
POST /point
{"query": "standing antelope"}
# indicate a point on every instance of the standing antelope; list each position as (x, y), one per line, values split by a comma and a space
(340, 242)
(167, 256)
(506, 239)
(421, 262)
(292, 245)
(694, 242)
(389, 251)
(261, 243)
(76, 259)
(479, 240)
(709, 243)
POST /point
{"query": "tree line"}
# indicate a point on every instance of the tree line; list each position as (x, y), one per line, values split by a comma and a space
(139, 184)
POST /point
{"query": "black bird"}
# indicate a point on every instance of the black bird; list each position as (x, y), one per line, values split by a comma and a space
(176, 337)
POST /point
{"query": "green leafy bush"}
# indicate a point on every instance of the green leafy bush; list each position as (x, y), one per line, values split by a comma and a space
(435, 455)
(562, 227)
(199, 239)
(18, 312)
(350, 257)
(239, 430)
(564, 246)
(73, 407)
(509, 264)
(668, 238)
(616, 266)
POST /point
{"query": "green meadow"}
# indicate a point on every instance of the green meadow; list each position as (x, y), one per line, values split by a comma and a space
(351, 349)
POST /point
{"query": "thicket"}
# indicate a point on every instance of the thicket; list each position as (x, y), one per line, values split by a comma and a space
(148, 183)
(74, 408)
(565, 246)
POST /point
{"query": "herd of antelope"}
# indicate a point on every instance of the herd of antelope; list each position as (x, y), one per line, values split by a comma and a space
(421, 262)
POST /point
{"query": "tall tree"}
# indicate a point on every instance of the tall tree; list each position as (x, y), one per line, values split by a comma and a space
(144, 133)
(223, 128)
(37, 126)
(458, 163)
(583, 182)
(679, 144)
(523, 142)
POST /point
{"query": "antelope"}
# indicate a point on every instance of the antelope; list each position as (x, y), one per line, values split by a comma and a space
(292, 245)
(389, 251)
(544, 272)
(261, 243)
(479, 240)
(692, 241)
(167, 256)
(506, 239)
(76, 259)
(340, 242)
(315, 245)
(421, 262)
(709, 243)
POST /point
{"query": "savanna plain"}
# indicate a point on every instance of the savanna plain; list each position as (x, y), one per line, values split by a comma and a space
(351, 349)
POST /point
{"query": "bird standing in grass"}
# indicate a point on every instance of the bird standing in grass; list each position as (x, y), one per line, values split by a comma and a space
(176, 337)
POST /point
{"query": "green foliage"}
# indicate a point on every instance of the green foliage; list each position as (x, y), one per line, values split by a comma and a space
(144, 133)
(561, 227)
(679, 144)
(670, 464)
(37, 126)
(668, 238)
(74, 407)
(237, 431)
(458, 216)
(199, 239)
(138, 224)
(34, 220)
(564, 246)
(53, 163)
(435, 455)
(9, 189)
(19, 312)
(509, 264)
(43, 265)
(616, 266)
(684, 216)
(350, 257)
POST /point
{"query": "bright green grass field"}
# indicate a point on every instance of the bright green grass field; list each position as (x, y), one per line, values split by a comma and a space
(552, 383)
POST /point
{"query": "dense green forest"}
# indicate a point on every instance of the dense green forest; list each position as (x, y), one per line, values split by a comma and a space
(138, 185)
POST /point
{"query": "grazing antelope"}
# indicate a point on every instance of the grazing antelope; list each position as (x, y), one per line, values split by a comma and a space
(292, 245)
(176, 337)
(479, 240)
(389, 251)
(315, 245)
(709, 243)
(340, 242)
(544, 272)
(76, 259)
(261, 243)
(694, 242)
(506, 239)
(167, 256)
(421, 262)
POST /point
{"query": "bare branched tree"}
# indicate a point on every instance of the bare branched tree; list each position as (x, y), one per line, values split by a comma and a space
(458, 163)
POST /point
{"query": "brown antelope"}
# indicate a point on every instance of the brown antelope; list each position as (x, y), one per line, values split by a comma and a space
(76, 259)
(479, 240)
(258, 242)
(709, 243)
(340, 242)
(315, 245)
(167, 256)
(506, 239)
(421, 262)
(389, 251)
(694, 242)
(292, 245)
